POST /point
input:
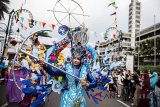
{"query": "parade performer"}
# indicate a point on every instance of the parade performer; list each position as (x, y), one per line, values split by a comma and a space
(13, 94)
(73, 93)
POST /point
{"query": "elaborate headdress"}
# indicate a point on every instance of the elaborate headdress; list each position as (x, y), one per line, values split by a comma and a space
(81, 48)
(78, 49)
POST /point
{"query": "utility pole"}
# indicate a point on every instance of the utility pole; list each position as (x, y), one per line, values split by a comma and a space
(154, 43)
(138, 48)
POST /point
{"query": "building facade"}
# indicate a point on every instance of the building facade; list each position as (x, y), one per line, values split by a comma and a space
(134, 20)
(115, 49)
(148, 46)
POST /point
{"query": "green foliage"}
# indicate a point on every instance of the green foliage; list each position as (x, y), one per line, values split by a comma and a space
(149, 68)
(3, 8)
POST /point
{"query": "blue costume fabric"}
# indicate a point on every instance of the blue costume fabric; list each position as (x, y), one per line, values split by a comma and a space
(153, 79)
(73, 95)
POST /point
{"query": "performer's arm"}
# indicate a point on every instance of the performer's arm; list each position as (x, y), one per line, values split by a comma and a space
(92, 82)
(53, 72)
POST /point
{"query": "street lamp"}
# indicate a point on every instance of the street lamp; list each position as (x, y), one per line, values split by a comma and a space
(7, 33)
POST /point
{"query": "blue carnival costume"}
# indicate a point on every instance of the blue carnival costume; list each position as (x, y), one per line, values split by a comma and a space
(73, 94)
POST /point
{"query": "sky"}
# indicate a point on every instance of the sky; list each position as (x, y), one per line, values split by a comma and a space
(98, 19)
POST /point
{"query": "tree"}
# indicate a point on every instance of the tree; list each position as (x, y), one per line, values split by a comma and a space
(3, 8)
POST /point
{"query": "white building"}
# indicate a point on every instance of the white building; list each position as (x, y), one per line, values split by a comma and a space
(134, 20)
(115, 49)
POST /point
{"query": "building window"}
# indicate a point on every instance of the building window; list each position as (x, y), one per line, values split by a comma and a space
(137, 26)
(158, 32)
(138, 4)
(130, 22)
(129, 31)
(130, 8)
(138, 17)
(138, 12)
(137, 21)
(137, 30)
(130, 17)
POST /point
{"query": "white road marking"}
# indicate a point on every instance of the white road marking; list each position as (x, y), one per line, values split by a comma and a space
(4, 105)
(123, 103)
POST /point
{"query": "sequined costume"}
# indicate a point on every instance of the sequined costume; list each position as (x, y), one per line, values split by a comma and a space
(73, 95)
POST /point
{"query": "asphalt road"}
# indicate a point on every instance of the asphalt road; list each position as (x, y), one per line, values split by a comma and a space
(54, 101)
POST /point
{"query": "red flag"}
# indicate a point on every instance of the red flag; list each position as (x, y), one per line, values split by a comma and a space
(17, 20)
(52, 26)
(113, 13)
(43, 24)
(21, 8)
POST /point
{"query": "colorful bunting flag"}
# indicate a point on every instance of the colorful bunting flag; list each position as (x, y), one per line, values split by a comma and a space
(29, 20)
(21, 8)
(17, 20)
(53, 25)
(113, 4)
(17, 14)
(35, 22)
(40, 23)
(113, 13)
(22, 19)
(43, 24)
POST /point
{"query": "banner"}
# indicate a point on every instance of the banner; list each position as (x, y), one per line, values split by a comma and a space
(129, 62)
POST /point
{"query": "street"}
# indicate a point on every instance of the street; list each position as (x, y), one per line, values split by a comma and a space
(54, 101)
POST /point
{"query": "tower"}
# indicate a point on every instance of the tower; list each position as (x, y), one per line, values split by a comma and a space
(134, 20)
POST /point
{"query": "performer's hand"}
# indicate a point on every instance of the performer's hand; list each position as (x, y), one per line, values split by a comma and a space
(84, 83)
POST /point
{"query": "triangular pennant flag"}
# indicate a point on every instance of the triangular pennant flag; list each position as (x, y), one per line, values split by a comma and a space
(52, 25)
(40, 23)
(113, 13)
(21, 8)
(35, 22)
(109, 5)
(22, 19)
(17, 20)
(29, 20)
(17, 14)
(43, 24)
(113, 4)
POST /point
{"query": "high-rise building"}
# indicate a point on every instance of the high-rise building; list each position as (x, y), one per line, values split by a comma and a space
(134, 20)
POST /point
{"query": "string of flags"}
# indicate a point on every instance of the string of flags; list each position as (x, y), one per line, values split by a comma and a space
(31, 21)
(113, 4)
